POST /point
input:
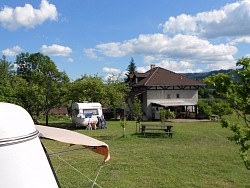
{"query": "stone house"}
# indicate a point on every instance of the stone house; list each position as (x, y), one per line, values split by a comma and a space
(159, 88)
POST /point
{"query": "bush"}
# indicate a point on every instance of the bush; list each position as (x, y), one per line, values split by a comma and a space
(214, 106)
(205, 109)
(166, 114)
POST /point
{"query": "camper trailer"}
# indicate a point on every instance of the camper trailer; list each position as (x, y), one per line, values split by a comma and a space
(86, 114)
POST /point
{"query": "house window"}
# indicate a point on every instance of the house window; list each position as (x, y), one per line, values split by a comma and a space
(177, 96)
(168, 96)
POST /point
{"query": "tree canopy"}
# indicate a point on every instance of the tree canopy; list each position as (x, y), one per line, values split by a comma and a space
(42, 85)
(7, 75)
(38, 86)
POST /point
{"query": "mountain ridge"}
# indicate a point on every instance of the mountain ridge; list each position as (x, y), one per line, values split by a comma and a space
(203, 75)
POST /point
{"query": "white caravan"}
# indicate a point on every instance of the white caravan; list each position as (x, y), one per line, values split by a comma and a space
(86, 114)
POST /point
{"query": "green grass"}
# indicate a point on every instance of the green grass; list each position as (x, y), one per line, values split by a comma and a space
(198, 155)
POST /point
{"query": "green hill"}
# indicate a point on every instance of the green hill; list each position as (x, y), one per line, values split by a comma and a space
(203, 75)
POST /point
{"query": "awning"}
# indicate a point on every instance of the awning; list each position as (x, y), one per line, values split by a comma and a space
(173, 103)
(74, 138)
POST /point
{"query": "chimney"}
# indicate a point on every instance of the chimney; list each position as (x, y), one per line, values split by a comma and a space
(152, 66)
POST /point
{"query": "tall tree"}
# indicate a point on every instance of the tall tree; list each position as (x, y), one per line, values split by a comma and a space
(117, 92)
(237, 94)
(131, 68)
(7, 74)
(6, 70)
(136, 108)
(45, 86)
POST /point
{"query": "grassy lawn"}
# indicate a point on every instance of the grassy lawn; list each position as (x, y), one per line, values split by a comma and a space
(198, 155)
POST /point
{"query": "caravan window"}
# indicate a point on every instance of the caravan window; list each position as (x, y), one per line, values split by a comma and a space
(87, 111)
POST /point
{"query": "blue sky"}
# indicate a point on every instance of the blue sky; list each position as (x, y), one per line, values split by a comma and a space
(100, 37)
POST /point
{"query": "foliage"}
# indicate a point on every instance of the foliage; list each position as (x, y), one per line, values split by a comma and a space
(205, 108)
(39, 85)
(222, 109)
(136, 108)
(214, 106)
(7, 76)
(170, 114)
(123, 123)
(236, 93)
(207, 92)
(117, 92)
(166, 114)
(131, 69)
(88, 88)
(241, 138)
(92, 88)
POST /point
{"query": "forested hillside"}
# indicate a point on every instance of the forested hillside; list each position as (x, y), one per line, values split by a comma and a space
(203, 75)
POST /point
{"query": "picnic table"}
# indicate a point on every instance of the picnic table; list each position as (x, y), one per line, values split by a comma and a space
(157, 129)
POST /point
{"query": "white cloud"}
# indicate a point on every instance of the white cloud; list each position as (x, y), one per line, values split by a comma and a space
(70, 60)
(90, 52)
(143, 69)
(27, 16)
(113, 77)
(192, 48)
(56, 50)
(12, 51)
(109, 77)
(224, 65)
(114, 49)
(175, 66)
(181, 47)
(185, 44)
(179, 67)
(112, 71)
(149, 59)
(231, 20)
(240, 40)
(182, 22)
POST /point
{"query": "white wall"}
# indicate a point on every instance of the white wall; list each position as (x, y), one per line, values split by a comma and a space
(156, 96)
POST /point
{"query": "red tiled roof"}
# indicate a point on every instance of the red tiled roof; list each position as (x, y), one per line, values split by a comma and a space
(162, 77)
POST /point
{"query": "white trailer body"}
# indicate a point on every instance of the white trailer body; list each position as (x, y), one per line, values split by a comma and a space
(23, 161)
(86, 113)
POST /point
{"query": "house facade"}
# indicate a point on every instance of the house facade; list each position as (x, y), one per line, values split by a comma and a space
(159, 89)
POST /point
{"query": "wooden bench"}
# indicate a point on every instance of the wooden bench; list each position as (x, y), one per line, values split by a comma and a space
(157, 129)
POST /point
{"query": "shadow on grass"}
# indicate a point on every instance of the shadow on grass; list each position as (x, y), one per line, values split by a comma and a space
(105, 137)
(60, 125)
(149, 135)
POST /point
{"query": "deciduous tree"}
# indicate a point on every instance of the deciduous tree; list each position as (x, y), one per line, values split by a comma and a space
(45, 86)
(7, 75)
(237, 93)
(136, 108)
